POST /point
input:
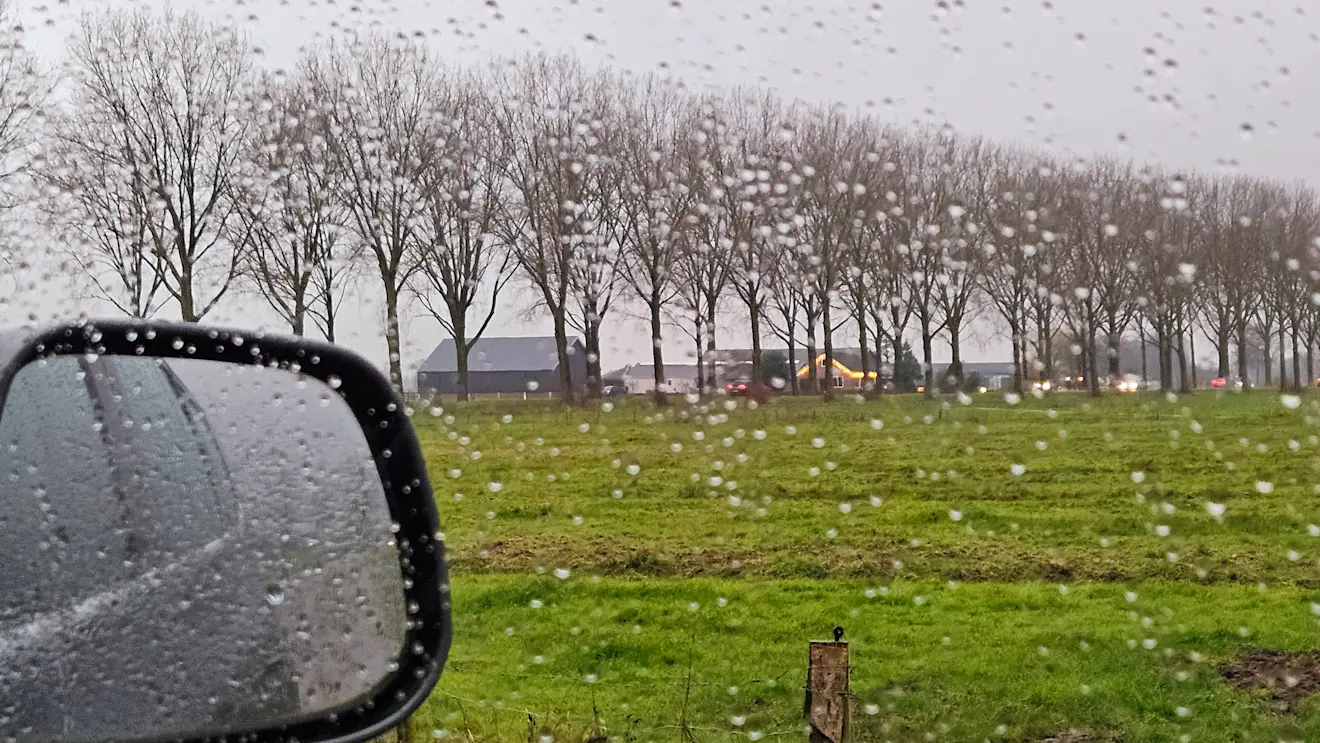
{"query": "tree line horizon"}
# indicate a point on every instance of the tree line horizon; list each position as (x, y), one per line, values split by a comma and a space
(183, 179)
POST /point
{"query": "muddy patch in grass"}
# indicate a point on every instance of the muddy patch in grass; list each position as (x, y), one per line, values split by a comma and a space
(1285, 679)
(1076, 736)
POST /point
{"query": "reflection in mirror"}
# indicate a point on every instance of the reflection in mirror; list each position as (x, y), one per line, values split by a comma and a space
(187, 547)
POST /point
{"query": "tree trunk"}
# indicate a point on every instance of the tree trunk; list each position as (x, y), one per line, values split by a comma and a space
(955, 354)
(187, 303)
(790, 326)
(1114, 347)
(1191, 353)
(657, 353)
(1145, 346)
(329, 314)
(1019, 373)
(1045, 346)
(1283, 364)
(699, 326)
(865, 351)
(812, 380)
(879, 361)
(927, 357)
(1310, 356)
(710, 343)
(1092, 363)
(392, 335)
(462, 352)
(1223, 337)
(1182, 365)
(1166, 362)
(561, 350)
(829, 351)
(898, 350)
(758, 374)
(298, 324)
(1296, 359)
(1243, 356)
(592, 391)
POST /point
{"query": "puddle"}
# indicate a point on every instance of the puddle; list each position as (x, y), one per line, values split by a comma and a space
(1286, 678)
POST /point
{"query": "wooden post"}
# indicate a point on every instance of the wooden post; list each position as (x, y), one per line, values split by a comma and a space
(826, 701)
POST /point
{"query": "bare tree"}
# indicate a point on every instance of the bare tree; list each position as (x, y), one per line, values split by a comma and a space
(552, 148)
(594, 271)
(459, 258)
(785, 303)
(1013, 218)
(98, 206)
(286, 202)
(25, 93)
(703, 270)
(837, 161)
(170, 127)
(957, 292)
(756, 199)
(926, 195)
(657, 204)
(377, 97)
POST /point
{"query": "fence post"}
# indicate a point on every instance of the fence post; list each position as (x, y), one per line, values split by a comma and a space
(826, 700)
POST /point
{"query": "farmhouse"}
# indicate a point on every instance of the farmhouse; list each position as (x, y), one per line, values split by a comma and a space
(639, 379)
(502, 365)
(994, 375)
(847, 374)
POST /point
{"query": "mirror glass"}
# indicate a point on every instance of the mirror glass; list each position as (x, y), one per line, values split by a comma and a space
(186, 548)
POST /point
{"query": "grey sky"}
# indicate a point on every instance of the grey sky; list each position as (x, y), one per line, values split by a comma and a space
(1164, 81)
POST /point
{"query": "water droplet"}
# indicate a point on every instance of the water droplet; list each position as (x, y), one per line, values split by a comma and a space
(274, 594)
(334, 381)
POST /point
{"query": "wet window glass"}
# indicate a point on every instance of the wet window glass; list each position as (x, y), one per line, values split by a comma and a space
(892, 371)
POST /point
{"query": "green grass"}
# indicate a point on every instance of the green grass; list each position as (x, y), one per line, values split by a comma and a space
(827, 507)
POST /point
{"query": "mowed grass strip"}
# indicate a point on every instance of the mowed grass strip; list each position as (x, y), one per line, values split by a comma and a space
(1063, 488)
(968, 662)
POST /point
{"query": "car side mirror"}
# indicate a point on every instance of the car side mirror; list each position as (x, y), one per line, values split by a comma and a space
(210, 534)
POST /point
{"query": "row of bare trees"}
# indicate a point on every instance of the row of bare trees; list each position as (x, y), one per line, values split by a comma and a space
(180, 179)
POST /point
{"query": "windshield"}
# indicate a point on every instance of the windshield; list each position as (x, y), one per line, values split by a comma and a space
(893, 371)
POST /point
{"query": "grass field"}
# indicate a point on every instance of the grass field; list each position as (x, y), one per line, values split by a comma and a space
(1004, 571)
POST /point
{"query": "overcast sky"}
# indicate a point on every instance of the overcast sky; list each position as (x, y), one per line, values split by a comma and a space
(1205, 84)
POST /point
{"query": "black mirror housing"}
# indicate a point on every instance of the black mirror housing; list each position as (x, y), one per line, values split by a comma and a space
(383, 418)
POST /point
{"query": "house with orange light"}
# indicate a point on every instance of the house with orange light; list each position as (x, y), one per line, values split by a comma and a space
(847, 371)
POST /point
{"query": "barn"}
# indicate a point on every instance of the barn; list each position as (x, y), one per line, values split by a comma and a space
(502, 366)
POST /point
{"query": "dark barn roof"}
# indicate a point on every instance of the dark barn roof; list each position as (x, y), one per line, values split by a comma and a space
(500, 354)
